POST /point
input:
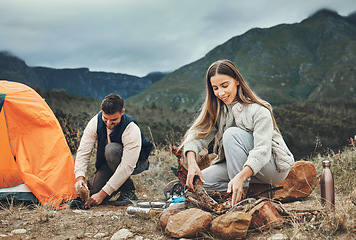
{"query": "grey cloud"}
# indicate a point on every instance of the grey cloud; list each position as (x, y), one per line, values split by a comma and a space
(138, 36)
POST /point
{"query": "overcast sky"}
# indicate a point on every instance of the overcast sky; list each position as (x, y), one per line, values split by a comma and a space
(138, 36)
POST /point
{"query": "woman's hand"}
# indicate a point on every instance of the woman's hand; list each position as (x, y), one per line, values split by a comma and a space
(193, 170)
(236, 185)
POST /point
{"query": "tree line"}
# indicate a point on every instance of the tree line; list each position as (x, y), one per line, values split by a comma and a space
(307, 128)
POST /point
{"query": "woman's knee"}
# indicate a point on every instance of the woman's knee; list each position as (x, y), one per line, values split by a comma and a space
(216, 178)
(236, 136)
(230, 133)
(278, 178)
(270, 177)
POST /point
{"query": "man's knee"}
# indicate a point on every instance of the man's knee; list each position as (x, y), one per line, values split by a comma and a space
(113, 154)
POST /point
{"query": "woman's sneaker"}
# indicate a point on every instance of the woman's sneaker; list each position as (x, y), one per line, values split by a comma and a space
(125, 198)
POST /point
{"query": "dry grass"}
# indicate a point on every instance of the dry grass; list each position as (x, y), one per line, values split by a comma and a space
(43, 222)
(150, 184)
(341, 222)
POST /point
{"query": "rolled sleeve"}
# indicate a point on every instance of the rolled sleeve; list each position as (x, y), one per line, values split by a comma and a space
(197, 145)
(86, 147)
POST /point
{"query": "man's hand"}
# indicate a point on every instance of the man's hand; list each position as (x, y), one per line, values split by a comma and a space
(96, 199)
(80, 183)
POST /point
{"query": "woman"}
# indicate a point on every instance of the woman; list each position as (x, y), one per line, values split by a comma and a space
(250, 147)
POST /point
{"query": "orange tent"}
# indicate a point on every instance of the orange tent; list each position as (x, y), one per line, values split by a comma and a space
(33, 149)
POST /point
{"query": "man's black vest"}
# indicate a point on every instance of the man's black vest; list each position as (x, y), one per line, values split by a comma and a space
(116, 136)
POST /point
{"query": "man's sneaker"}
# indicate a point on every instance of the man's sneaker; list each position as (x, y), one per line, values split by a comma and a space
(125, 198)
(76, 203)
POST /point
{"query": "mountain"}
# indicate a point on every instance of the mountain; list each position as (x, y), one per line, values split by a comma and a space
(314, 60)
(80, 81)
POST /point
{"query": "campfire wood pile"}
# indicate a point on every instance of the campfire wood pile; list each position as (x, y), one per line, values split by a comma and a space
(202, 213)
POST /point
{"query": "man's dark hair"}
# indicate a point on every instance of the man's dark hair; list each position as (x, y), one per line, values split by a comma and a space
(112, 103)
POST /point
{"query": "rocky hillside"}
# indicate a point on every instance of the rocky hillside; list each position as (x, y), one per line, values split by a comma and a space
(314, 60)
(81, 81)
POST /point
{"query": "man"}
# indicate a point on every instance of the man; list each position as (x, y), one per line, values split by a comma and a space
(122, 151)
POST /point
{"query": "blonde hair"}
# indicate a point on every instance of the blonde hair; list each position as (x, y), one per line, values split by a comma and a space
(210, 110)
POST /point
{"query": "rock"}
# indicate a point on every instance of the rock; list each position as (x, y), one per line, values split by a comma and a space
(188, 223)
(300, 236)
(265, 215)
(353, 197)
(79, 211)
(233, 225)
(278, 236)
(300, 182)
(84, 192)
(165, 215)
(99, 235)
(19, 231)
(122, 234)
(177, 206)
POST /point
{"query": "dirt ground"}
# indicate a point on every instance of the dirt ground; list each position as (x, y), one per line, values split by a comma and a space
(101, 222)
(44, 223)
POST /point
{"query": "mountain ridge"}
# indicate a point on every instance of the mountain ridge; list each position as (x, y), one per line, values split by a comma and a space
(75, 81)
(289, 63)
(313, 60)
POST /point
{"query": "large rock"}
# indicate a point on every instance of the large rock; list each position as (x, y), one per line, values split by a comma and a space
(233, 225)
(170, 211)
(165, 215)
(265, 216)
(188, 223)
(300, 182)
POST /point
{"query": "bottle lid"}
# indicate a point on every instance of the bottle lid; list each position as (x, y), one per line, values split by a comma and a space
(326, 163)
